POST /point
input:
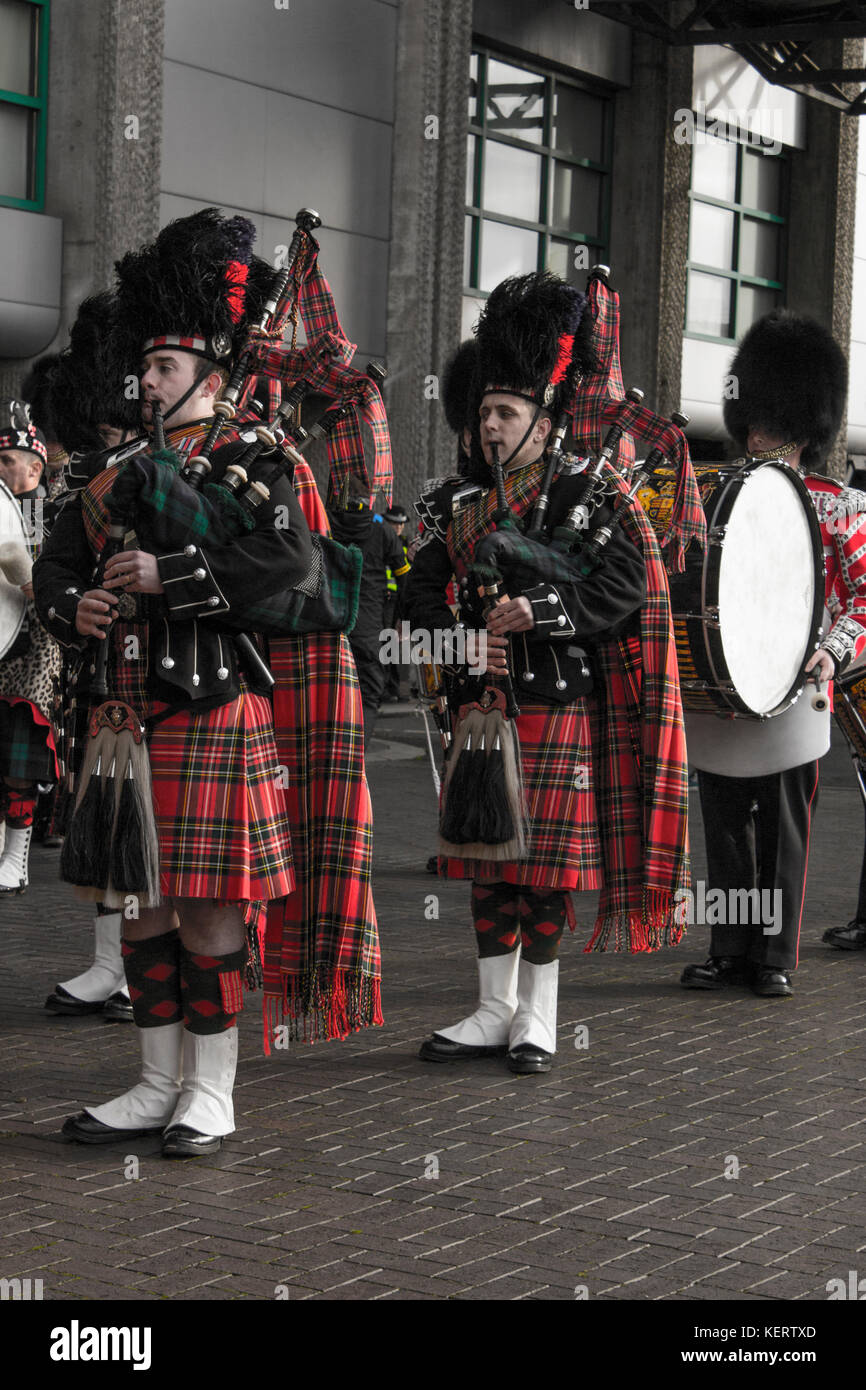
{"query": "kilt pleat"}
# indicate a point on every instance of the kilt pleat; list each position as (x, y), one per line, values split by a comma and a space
(563, 846)
(219, 804)
(27, 748)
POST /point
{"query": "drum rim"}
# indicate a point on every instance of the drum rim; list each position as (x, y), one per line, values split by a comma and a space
(4, 488)
(726, 499)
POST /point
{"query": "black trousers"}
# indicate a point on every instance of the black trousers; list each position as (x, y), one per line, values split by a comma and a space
(861, 896)
(757, 837)
(371, 678)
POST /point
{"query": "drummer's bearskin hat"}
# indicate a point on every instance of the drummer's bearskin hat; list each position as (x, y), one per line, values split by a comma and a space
(87, 386)
(791, 378)
(529, 340)
(191, 289)
(18, 432)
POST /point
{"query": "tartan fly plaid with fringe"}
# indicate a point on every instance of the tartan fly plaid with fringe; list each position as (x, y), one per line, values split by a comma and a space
(322, 967)
(324, 364)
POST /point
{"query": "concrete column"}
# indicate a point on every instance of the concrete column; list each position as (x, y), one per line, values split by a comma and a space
(650, 219)
(822, 213)
(427, 201)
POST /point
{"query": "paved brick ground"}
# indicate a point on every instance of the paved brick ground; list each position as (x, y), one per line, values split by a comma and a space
(358, 1172)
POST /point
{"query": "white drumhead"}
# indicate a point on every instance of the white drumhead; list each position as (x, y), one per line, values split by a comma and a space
(766, 588)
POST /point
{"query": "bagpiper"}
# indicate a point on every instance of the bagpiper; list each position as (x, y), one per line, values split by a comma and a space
(555, 760)
(181, 748)
(84, 399)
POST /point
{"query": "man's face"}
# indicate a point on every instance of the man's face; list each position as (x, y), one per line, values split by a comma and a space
(111, 436)
(20, 470)
(761, 441)
(166, 375)
(504, 421)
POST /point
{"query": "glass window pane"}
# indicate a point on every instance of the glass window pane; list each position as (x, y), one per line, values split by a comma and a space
(471, 156)
(752, 304)
(709, 305)
(467, 250)
(515, 102)
(761, 183)
(16, 143)
(759, 248)
(578, 123)
(512, 181)
(571, 260)
(18, 47)
(714, 167)
(711, 236)
(577, 199)
(474, 113)
(506, 251)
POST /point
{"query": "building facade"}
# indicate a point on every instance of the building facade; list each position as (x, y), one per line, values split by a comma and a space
(445, 144)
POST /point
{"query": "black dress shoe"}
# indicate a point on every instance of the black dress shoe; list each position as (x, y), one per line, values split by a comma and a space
(84, 1129)
(715, 973)
(850, 938)
(527, 1059)
(439, 1049)
(118, 1008)
(183, 1142)
(62, 1002)
(771, 983)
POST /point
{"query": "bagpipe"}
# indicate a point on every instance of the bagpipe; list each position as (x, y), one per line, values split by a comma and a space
(483, 809)
(111, 845)
(105, 808)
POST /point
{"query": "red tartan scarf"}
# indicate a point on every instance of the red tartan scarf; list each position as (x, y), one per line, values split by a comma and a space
(322, 969)
(324, 364)
(599, 402)
(638, 742)
(641, 766)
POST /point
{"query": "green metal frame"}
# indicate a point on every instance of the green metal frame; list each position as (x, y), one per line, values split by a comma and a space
(739, 278)
(39, 105)
(549, 155)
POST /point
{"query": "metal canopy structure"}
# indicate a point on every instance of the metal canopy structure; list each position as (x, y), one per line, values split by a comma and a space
(777, 37)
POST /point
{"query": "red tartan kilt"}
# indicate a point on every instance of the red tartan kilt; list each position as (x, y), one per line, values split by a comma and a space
(563, 846)
(27, 748)
(219, 804)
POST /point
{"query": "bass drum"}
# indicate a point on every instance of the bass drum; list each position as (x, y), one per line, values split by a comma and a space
(15, 545)
(748, 612)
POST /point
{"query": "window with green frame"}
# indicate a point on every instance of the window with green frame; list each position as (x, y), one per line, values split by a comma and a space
(736, 236)
(538, 174)
(23, 97)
